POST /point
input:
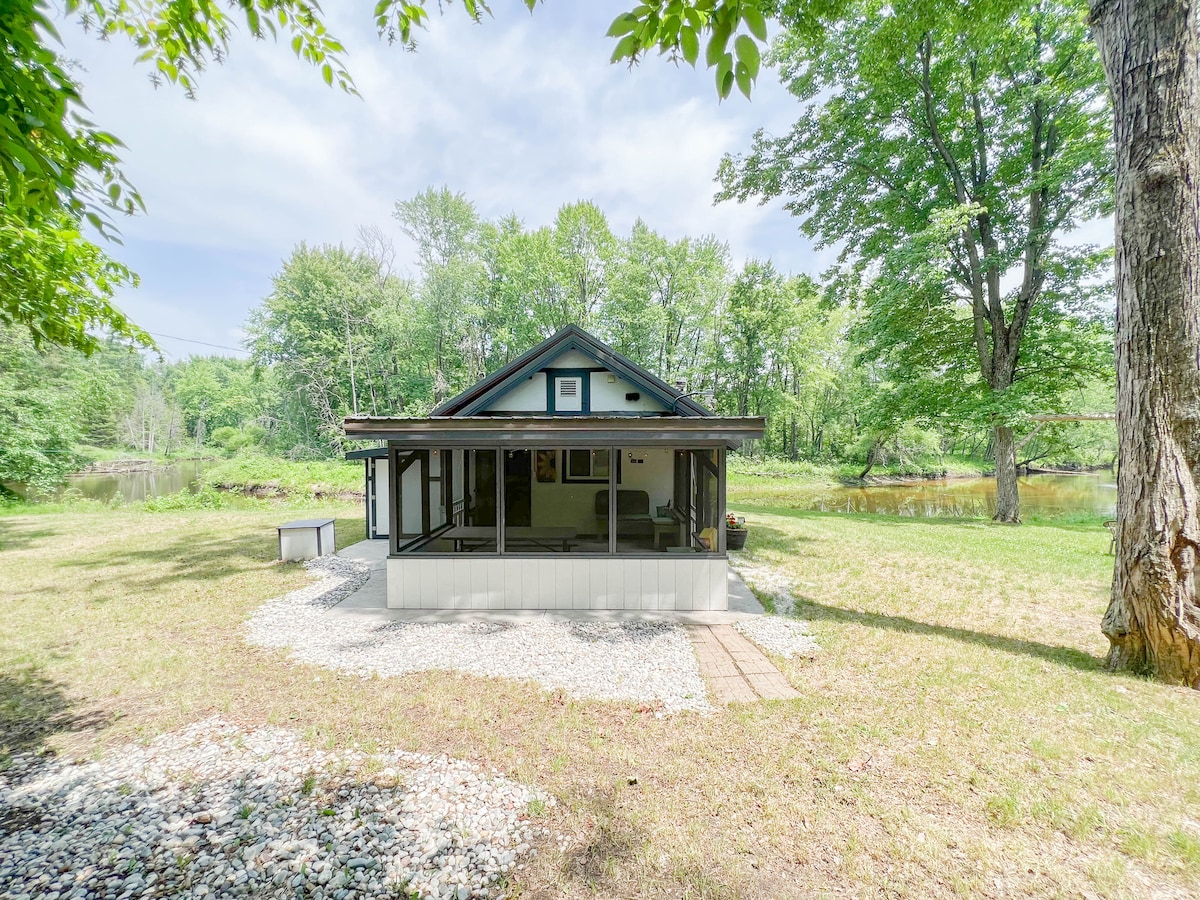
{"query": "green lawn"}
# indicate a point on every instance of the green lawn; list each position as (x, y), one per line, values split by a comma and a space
(956, 736)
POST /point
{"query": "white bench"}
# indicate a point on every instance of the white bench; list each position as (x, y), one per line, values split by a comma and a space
(306, 539)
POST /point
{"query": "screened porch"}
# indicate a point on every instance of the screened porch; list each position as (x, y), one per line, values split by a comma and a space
(616, 500)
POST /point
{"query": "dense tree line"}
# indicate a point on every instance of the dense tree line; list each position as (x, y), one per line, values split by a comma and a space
(343, 331)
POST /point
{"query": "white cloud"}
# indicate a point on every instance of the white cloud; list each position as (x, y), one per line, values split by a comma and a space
(521, 114)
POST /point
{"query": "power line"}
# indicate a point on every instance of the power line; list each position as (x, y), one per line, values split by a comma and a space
(201, 343)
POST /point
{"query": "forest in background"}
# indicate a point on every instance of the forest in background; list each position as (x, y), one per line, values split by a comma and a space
(344, 331)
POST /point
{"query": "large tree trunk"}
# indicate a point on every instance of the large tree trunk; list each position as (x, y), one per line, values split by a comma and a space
(1008, 501)
(1149, 49)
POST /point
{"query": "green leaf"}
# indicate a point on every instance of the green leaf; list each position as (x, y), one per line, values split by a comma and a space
(724, 83)
(327, 73)
(689, 43)
(716, 45)
(755, 22)
(626, 48)
(744, 80)
(747, 52)
(725, 64)
(622, 24)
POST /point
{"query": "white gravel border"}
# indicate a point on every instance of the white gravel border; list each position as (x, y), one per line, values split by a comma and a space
(783, 637)
(214, 811)
(779, 633)
(644, 662)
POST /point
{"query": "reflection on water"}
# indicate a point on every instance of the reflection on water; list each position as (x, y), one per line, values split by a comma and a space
(129, 486)
(1046, 495)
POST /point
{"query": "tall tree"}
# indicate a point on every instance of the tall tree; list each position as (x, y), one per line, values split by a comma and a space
(315, 330)
(525, 285)
(587, 248)
(1150, 50)
(444, 226)
(949, 155)
(759, 312)
(664, 297)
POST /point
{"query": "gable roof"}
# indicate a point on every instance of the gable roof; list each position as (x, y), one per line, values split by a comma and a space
(475, 398)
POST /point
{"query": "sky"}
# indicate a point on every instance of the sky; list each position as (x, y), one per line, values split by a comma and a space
(521, 113)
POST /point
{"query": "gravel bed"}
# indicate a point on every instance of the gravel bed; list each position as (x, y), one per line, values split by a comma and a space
(646, 662)
(775, 634)
(213, 811)
(779, 634)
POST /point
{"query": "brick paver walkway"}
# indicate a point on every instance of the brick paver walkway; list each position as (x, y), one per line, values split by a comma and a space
(736, 670)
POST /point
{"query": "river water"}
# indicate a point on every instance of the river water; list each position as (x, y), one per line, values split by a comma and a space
(1045, 495)
(130, 487)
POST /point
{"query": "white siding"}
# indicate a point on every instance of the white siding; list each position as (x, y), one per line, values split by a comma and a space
(669, 583)
(607, 390)
(608, 395)
(528, 396)
(381, 521)
(573, 359)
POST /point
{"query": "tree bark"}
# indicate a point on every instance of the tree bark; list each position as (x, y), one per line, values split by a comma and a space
(1008, 501)
(1149, 50)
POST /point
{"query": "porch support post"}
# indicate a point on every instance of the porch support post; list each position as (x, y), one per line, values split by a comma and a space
(368, 469)
(500, 497)
(614, 463)
(721, 502)
(425, 493)
(393, 465)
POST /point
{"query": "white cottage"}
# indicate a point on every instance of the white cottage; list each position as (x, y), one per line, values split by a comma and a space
(570, 479)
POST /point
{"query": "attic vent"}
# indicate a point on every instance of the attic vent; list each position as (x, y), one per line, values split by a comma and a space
(568, 394)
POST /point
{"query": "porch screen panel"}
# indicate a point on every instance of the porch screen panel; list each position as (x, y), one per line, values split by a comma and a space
(705, 501)
(437, 484)
(462, 503)
(409, 490)
(555, 500)
(648, 517)
(669, 501)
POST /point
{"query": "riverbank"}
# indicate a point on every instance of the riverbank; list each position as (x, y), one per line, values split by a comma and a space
(271, 477)
(833, 473)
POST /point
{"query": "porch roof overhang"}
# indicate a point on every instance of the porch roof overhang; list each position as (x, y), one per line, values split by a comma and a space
(552, 431)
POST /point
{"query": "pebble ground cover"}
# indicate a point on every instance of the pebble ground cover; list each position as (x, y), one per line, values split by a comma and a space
(645, 662)
(215, 811)
(956, 734)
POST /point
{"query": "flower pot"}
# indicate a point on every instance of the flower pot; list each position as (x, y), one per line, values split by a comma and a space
(735, 539)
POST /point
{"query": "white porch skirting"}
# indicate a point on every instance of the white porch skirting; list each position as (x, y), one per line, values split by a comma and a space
(459, 582)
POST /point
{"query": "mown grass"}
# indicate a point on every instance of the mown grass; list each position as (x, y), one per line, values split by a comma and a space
(956, 736)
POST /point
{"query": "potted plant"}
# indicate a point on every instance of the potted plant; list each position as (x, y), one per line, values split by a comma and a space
(735, 532)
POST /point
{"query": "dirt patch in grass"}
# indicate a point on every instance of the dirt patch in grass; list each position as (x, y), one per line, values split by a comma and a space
(957, 735)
